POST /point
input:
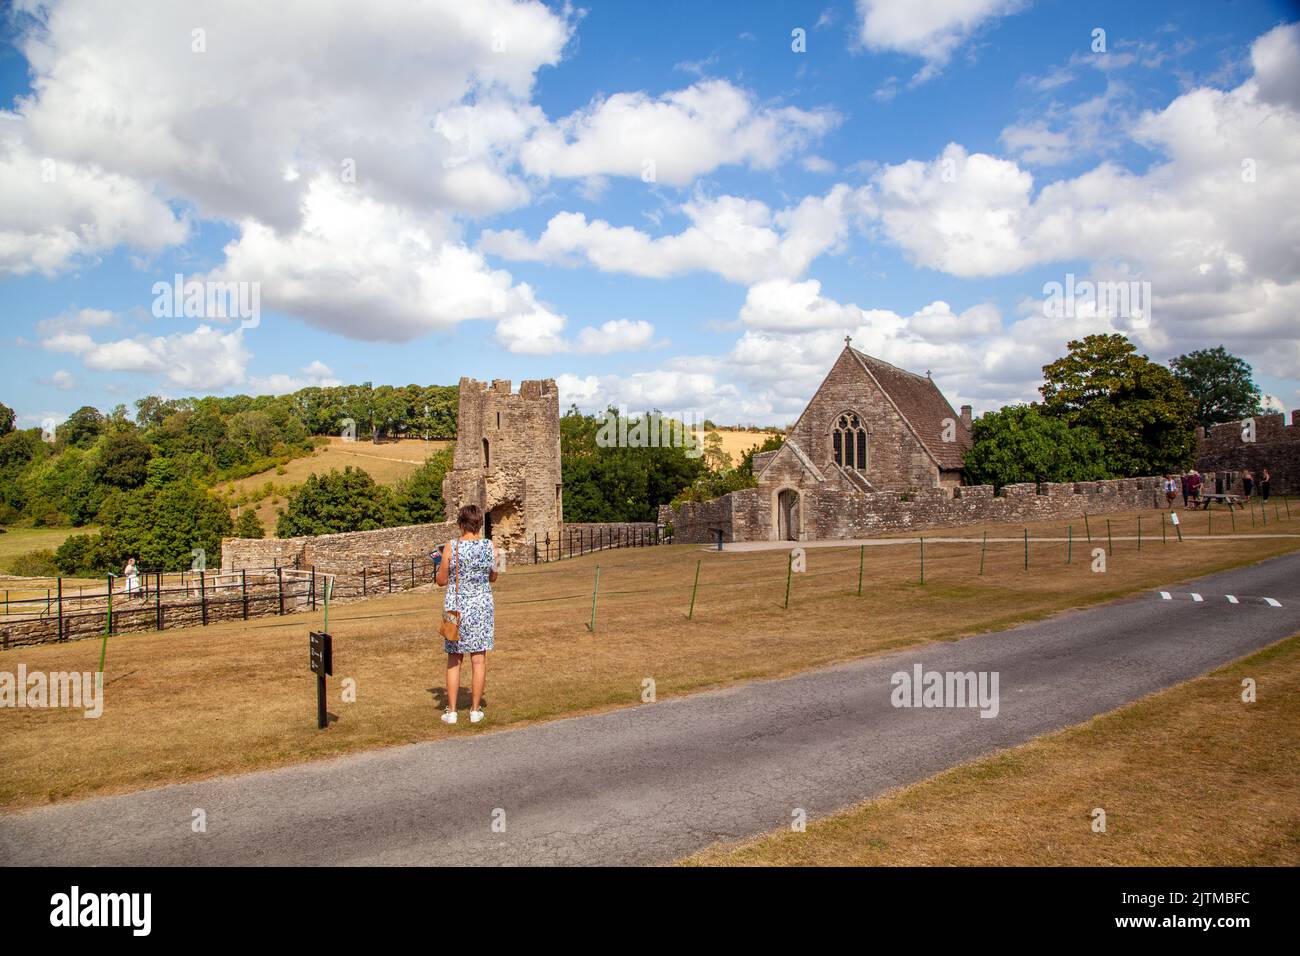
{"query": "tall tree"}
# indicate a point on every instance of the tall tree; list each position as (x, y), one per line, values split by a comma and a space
(1140, 411)
(1220, 383)
(7, 417)
(1021, 444)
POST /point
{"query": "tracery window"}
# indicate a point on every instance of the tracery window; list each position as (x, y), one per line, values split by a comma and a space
(849, 441)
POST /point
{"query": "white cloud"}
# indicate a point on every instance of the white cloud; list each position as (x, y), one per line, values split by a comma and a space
(739, 239)
(673, 138)
(63, 380)
(205, 359)
(782, 305)
(616, 335)
(930, 29)
(315, 373)
(55, 215)
(1190, 224)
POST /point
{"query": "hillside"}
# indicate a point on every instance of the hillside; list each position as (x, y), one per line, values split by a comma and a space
(387, 463)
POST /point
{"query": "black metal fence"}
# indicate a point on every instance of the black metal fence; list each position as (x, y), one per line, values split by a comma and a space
(575, 542)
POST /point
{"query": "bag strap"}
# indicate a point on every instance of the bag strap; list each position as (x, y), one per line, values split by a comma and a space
(455, 564)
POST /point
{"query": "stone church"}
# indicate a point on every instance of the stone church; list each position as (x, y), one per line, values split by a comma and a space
(869, 427)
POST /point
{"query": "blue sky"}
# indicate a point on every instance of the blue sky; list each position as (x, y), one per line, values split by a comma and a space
(660, 206)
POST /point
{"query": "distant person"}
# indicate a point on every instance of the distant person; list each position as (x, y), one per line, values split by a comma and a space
(1265, 480)
(1247, 484)
(1171, 490)
(1194, 488)
(469, 564)
(1183, 480)
(132, 575)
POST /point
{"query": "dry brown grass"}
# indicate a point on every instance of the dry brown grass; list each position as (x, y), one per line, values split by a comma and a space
(387, 463)
(735, 442)
(235, 696)
(1190, 776)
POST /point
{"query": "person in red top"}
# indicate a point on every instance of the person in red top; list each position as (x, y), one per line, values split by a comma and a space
(1194, 488)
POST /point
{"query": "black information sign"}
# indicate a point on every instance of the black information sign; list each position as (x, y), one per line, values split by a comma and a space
(322, 665)
(322, 654)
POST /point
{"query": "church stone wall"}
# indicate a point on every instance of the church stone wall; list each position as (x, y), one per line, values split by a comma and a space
(827, 513)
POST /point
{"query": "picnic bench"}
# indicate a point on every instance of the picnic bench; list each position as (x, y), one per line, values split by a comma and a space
(1232, 501)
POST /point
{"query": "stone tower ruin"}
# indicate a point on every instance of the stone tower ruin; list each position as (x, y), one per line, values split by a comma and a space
(507, 462)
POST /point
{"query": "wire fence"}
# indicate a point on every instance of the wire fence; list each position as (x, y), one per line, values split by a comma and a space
(161, 601)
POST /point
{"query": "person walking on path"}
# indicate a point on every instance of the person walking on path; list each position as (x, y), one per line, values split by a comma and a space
(1182, 480)
(1194, 488)
(1265, 480)
(1247, 485)
(1171, 490)
(469, 564)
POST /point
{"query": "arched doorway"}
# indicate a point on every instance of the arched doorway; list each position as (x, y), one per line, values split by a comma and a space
(787, 515)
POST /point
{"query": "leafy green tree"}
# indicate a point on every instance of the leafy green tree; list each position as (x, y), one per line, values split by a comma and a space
(122, 460)
(1020, 444)
(419, 497)
(248, 525)
(1220, 383)
(7, 419)
(618, 483)
(160, 528)
(347, 500)
(82, 429)
(1141, 413)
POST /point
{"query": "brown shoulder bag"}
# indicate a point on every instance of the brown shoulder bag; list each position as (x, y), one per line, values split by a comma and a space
(450, 627)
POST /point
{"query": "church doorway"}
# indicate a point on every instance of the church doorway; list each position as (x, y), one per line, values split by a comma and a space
(787, 515)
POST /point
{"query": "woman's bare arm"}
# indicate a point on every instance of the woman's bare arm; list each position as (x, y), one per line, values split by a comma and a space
(492, 575)
(444, 567)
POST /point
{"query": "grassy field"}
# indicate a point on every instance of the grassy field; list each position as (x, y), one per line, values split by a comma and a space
(16, 541)
(1189, 776)
(235, 696)
(387, 463)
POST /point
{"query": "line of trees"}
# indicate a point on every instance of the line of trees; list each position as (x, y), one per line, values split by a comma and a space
(1109, 412)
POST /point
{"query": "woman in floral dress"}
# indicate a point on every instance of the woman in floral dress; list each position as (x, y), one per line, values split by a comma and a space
(469, 564)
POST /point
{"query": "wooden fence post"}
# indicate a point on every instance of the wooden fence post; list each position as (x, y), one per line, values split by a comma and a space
(279, 581)
(203, 595)
(157, 600)
(243, 587)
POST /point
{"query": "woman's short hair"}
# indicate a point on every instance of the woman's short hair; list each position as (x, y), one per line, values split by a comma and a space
(470, 519)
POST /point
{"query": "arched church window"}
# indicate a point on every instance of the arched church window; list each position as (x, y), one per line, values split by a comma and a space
(849, 441)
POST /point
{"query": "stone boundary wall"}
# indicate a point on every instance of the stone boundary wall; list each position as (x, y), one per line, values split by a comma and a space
(740, 514)
(1276, 447)
(343, 554)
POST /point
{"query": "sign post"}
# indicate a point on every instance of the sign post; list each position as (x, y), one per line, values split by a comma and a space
(321, 647)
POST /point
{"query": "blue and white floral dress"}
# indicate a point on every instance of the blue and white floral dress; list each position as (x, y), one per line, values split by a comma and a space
(472, 596)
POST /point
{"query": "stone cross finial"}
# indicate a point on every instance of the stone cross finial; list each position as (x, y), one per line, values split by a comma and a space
(847, 340)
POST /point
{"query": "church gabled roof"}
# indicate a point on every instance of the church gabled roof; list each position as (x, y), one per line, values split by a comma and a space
(922, 406)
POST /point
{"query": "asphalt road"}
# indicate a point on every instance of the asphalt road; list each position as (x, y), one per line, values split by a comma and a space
(651, 783)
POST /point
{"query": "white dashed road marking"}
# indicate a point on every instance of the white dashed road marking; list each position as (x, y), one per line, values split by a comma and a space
(1198, 598)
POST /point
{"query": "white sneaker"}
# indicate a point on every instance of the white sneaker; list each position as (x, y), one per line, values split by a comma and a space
(475, 716)
(448, 716)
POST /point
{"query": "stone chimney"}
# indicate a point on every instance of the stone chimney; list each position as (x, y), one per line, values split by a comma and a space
(1295, 418)
(966, 416)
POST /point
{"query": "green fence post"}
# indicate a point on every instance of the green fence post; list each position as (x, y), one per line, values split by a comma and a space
(1069, 543)
(923, 561)
(789, 572)
(1139, 532)
(1164, 539)
(594, 588)
(983, 547)
(1110, 542)
(108, 620)
(862, 554)
(1026, 549)
(1087, 529)
(694, 588)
